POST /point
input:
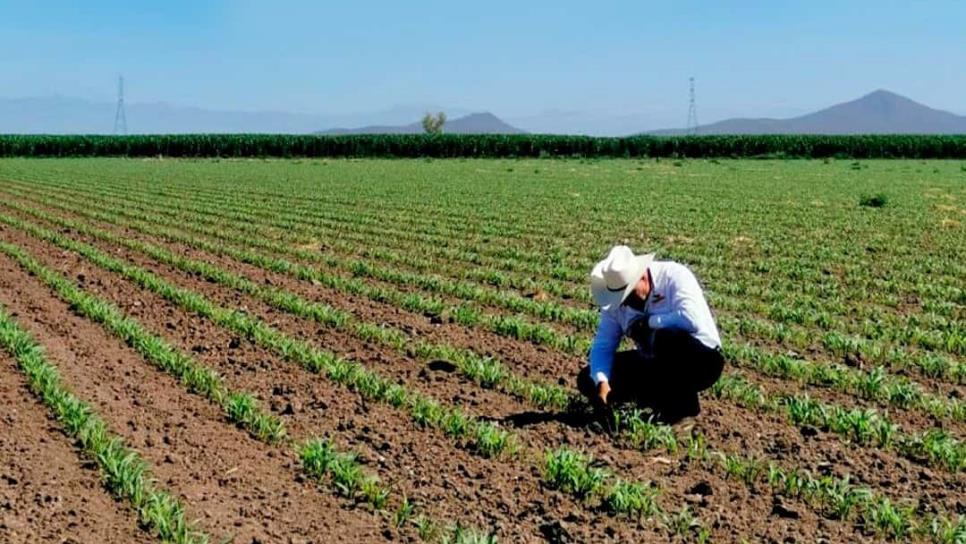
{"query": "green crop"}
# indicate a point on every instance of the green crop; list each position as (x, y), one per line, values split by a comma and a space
(483, 145)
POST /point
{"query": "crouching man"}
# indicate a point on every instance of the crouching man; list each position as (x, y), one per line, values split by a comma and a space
(661, 307)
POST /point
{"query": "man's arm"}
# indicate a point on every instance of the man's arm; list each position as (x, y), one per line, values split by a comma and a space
(606, 342)
(689, 300)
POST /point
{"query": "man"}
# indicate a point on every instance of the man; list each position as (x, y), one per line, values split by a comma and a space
(662, 308)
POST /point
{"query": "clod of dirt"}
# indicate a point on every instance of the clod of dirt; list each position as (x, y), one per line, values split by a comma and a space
(702, 488)
(778, 509)
(555, 533)
(440, 365)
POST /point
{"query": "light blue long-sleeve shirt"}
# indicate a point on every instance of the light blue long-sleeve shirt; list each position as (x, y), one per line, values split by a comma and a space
(676, 302)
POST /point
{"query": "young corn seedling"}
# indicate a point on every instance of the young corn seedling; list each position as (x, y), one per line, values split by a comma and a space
(463, 535)
(486, 371)
(697, 448)
(572, 472)
(426, 529)
(683, 522)
(841, 497)
(944, 531)
(631, 498)
(455, 424)
(427, 412)
(374, 492)
(492, 441)
(740, 468)
(883, 517)
(645, 434)
(403, 514)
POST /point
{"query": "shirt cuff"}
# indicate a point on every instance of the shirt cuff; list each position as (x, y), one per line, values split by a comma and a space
(600, 377)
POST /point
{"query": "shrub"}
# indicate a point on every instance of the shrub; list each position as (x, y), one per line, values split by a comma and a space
(878, 200)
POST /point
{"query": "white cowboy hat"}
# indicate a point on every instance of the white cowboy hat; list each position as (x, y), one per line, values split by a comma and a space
(615, 277)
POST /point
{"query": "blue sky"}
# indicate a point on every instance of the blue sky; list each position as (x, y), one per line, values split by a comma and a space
(513, 58)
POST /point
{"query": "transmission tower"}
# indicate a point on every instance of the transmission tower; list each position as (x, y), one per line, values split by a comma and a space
(692, 110)
(120, 119)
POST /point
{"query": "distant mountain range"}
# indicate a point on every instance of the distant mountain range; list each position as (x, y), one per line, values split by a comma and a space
(66, 115)
(474, 123)
(879, 112)
(875, 113)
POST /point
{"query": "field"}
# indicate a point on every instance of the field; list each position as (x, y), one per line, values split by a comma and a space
(345, 350)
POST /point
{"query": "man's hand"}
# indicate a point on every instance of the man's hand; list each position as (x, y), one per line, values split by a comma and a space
(603, 391)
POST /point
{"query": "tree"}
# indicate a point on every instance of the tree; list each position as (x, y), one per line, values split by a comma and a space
(434, 125)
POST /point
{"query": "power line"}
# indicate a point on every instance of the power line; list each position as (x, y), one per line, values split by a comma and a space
(692, 110)
(120, 119)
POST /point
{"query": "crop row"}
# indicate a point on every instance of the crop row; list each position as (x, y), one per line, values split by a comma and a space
(487, 371)
(319, 456)
(874, 384)
(862, 426)
(483, 145)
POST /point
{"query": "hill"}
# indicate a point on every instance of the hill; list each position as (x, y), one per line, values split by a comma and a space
(879, 112)
(474, 123)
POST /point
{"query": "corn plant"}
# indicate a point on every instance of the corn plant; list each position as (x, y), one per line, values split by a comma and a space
(573, 473)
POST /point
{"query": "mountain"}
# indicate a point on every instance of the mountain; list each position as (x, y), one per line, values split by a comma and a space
(65, 115)
(879, 112)
(474, 123)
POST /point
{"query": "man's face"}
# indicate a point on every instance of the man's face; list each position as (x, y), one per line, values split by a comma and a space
(636, 299)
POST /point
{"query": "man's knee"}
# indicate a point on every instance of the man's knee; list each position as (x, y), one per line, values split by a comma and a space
(713, 367)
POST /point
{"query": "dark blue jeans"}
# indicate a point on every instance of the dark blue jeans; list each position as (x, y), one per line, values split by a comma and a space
(668, 382)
